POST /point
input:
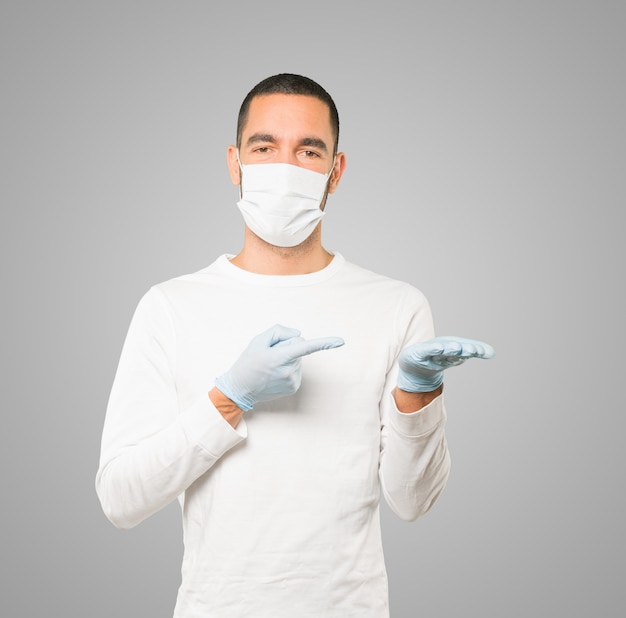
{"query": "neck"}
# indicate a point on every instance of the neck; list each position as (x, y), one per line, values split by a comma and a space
(261, 258)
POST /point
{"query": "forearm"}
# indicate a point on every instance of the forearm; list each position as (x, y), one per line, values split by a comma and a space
(143, 474)
(415, 462)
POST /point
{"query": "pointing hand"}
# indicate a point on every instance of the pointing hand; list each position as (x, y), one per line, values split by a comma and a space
(270, 366)
(422, 364)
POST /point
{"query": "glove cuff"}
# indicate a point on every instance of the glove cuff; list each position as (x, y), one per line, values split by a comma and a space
(223, 384)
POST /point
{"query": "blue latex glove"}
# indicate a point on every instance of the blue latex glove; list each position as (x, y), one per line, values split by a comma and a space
(270, 367)
(422, 364)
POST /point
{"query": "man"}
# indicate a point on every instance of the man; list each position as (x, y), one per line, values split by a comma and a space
(277, 392)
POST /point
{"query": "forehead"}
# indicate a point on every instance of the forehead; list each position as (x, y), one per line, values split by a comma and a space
(285, 114)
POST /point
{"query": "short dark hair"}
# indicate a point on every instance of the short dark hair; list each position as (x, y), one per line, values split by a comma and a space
(288, 83)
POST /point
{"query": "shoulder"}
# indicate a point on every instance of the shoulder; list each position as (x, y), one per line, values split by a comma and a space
(396, 305)
(382, 284)
(187, 282)
(161, 301)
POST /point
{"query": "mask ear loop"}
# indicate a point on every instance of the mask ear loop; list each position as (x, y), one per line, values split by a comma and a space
(241, 173)
(327, 186)
(332, 168)
(330, 173)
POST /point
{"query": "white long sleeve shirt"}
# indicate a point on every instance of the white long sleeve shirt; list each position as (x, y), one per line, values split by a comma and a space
(280, 515)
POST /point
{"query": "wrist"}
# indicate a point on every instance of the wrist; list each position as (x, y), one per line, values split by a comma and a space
(410, 401)
(231, 412)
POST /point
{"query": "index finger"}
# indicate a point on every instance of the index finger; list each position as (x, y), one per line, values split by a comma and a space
(302, 347)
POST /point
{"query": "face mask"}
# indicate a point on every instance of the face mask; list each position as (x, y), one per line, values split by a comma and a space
(280, 203)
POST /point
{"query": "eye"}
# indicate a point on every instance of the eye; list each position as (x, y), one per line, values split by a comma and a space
(310, 154)
(262, 153)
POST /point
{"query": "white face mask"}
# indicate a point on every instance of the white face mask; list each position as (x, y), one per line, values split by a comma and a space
(280, 202)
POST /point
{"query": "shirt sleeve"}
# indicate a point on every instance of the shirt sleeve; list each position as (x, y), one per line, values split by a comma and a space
(152, 450)
(414, 458)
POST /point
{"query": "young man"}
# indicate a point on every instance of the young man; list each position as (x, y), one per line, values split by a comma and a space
(279, 391)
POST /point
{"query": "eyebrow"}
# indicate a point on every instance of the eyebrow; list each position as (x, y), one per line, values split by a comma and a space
(315, 142)
(260, 137)
(305, 141)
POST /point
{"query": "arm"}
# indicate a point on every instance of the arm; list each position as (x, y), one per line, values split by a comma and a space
(420, 375)
(151, 450)
(414, 458)
(415, 462)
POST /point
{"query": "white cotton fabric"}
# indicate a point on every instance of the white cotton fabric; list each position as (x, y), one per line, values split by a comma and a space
(281, 514)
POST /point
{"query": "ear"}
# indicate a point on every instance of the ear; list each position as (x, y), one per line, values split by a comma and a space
(233, 165)
(337, 173)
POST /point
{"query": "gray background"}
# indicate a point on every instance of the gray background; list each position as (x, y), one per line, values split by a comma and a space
(485, 145)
